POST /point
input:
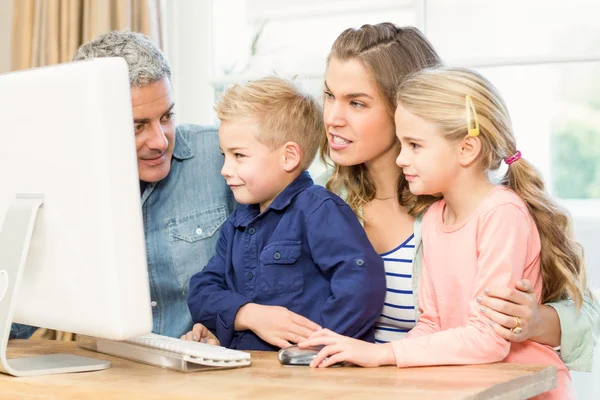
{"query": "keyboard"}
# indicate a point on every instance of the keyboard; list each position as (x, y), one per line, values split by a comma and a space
(171, 353)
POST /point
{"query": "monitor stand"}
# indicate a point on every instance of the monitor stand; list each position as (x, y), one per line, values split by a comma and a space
(15, 238)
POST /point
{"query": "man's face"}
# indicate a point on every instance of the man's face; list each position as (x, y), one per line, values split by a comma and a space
(154, 129)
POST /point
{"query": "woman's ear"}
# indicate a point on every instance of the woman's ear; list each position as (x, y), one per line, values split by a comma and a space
(291, 156)
(470, 148)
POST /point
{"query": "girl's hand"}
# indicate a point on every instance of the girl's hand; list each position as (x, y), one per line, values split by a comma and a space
(340, 348)
(200, 333)
(502, 305)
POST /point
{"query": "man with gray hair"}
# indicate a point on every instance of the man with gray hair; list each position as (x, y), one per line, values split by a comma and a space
(184, 198)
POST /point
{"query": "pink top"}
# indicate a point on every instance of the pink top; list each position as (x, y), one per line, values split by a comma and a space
(496, 246)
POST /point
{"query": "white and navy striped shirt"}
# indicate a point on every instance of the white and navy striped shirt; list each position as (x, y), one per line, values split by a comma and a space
(398, 315)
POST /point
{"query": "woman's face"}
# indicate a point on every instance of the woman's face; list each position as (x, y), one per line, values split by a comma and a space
(359, 126)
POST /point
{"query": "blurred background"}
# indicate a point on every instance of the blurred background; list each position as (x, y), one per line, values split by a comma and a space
(543, 55)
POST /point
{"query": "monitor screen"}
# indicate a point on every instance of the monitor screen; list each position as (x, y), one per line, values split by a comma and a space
(67, 135)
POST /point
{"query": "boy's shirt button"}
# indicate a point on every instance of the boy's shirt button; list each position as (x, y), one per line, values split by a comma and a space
(249, 275)
(252, 231)
(276, 255)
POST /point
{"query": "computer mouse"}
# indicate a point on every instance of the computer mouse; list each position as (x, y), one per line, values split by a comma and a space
(294, 355)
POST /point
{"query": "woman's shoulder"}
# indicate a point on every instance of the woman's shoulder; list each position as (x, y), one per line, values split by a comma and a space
(322, 180)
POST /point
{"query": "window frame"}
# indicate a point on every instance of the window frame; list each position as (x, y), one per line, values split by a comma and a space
(420, 8)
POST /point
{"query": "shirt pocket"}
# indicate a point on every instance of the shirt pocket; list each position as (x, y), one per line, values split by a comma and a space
(280, 272)
(192, 239)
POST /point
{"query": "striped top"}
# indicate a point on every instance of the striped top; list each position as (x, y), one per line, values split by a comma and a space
(398, 315)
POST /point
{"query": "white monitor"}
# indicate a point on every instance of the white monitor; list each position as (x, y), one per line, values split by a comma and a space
(67, 144)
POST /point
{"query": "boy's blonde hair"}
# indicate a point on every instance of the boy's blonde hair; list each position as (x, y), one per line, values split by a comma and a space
(282, 112)
(389, 53)
(438, 96)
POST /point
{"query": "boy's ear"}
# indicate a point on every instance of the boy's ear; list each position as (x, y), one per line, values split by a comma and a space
(470, 147)
(291, 156)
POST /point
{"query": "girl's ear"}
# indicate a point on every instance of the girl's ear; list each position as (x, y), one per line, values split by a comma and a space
(291, 156)
(470, 148)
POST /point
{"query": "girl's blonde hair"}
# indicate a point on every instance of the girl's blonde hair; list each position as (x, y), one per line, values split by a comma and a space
(438, 96)
(389, 53)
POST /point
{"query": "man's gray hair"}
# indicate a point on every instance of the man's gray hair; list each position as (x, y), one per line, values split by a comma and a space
(147, 64)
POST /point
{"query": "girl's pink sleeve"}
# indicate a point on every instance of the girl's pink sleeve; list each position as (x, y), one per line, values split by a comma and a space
(504, 236)
(429, 320)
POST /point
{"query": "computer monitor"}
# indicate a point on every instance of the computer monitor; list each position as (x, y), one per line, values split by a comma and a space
(67, 145)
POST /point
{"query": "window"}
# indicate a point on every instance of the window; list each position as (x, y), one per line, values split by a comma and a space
(253, 38)
(543, 56)
(534, 51)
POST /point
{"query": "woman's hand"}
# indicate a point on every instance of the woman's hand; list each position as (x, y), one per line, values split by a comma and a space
(538, 322)
(340, 348)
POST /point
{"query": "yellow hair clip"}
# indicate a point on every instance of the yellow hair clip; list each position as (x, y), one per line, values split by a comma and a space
(472, 120)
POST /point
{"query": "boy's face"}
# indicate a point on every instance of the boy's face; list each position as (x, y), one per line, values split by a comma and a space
(252, 170)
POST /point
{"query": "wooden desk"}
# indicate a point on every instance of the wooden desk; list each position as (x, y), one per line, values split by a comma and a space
(267, 379)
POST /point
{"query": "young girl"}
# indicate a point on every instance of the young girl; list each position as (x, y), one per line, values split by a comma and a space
(454, 128)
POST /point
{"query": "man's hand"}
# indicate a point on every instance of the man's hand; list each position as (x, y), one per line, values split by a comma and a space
(275, 325)
(200, 333)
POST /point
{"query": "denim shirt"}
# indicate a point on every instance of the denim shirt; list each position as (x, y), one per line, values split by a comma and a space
(182, 215)
(306, 252)
(20, 331)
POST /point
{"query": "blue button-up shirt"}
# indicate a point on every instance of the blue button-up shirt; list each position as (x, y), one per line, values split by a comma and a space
(182, 216)
(306, 252)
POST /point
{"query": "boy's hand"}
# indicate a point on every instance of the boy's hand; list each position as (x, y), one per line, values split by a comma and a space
(340, 348)
(200, 333)
(275, 325)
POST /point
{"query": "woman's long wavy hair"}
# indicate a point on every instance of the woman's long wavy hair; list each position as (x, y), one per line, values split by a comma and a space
(438, 96)
(389, 54)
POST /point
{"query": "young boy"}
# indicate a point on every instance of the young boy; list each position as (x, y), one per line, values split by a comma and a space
(293, 258)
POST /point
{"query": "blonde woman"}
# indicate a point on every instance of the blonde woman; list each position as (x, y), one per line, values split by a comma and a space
(364, 69)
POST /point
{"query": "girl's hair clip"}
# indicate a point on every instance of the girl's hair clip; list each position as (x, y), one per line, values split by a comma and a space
(472, 120)
(513, 158)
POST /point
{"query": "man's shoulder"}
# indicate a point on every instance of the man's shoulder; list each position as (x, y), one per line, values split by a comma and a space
(193, 129)
(198, 136)
(198, 162)
(198, 142)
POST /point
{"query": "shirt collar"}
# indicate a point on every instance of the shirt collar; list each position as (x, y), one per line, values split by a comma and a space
(248, 213)
(182, 150)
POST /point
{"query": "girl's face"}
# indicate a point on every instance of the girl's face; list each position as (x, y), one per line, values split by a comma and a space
(428, 160)
(359, 126)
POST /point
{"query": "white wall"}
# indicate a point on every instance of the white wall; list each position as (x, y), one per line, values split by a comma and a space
(189, 50)
(6, 7)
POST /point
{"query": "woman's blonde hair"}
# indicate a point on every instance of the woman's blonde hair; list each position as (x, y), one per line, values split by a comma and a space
(389, 53)
(438, 96)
